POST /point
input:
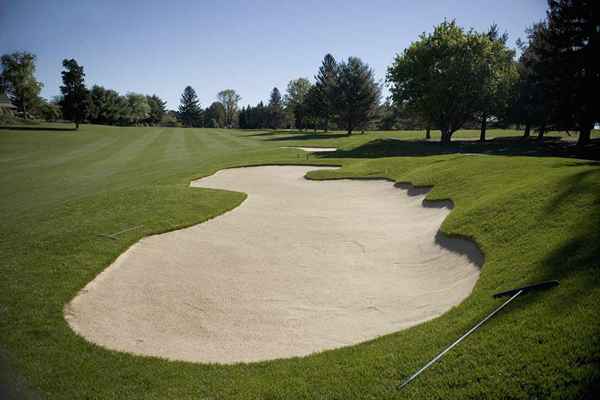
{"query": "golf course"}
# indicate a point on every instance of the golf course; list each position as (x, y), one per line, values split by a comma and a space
(534, 218)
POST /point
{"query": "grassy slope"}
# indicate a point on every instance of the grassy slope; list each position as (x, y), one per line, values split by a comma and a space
(535, 219)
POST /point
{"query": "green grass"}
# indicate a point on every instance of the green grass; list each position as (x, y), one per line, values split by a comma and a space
(535, 218)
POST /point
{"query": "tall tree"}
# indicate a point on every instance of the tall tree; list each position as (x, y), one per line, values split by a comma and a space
(215, 113)
(139, 109)
(297, 90)
(190, 112)
(441, 76)
(498, 79)
(326, 80)
(230, 99)
(76, 100)
(570, 59)
(158, 109)
(532, 105)
(356, 94)
(18, 81)
(276, 114)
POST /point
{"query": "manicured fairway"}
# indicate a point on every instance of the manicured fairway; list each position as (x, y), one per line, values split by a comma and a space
(535, 218)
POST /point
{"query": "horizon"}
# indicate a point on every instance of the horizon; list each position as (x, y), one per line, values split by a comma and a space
(250, 49)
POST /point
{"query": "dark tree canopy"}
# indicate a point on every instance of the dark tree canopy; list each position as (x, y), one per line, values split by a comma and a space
(570, 62)
(276, 113)
(76, 97)
(214, 115)
(190, 112)
(356, 94)
(326, 80)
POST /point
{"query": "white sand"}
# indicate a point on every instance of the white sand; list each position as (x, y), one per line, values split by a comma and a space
(313, 149)
(299, 267)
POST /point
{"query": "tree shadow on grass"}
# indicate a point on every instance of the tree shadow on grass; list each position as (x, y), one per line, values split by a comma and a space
(34, 128)
(509, 146)
(306, 136)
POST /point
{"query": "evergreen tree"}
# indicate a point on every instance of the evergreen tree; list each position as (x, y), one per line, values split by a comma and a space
(326, 80)
(76, 100)
(356, 94)
(570, 61)
(190, 113)
(276, 113)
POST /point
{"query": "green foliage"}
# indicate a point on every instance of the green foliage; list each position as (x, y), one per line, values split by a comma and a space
(138, 107)
(76, 100)
(356, 94)
(18, 81)
(157, 109)
(326, 80)
(443, 76)
(276, 115)
(297, 91)
(230, 99)
(190, 112)
(214, 115)
(570, 70)
(498, 81)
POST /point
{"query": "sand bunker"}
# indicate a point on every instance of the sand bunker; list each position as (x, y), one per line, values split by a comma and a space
(299, 267)
(314, 149)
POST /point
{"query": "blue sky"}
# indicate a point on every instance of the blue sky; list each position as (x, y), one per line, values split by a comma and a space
(250, 46)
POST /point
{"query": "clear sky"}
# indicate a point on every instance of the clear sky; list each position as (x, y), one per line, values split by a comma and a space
(250, 46)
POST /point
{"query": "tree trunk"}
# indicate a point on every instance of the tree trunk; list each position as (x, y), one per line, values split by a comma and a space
(541, 132)
(326, 124)
(483, 128)
(428, 132)
(584, 137)
(76, 125)
(446, 136)
(527, 130)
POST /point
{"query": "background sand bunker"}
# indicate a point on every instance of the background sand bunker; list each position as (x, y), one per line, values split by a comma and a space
(299, 267)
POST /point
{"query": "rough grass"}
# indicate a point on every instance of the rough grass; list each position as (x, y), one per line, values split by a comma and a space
(535, 218)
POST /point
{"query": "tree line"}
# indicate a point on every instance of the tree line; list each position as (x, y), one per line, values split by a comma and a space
(343, 93)
(447, 79)
(452, 76)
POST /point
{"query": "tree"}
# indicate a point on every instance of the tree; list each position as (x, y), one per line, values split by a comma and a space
(76, 100)
(441, 76)
(297, 90)
(139, 109)
(158, 108)
(498, 79)
(190, 112)
(230, 99)
(326, 81)
(106, 106)
(356, 94)
(570, 63)
(216, 112)
(276, 113)
(18, 81)
(312, 107)
(531, 105)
